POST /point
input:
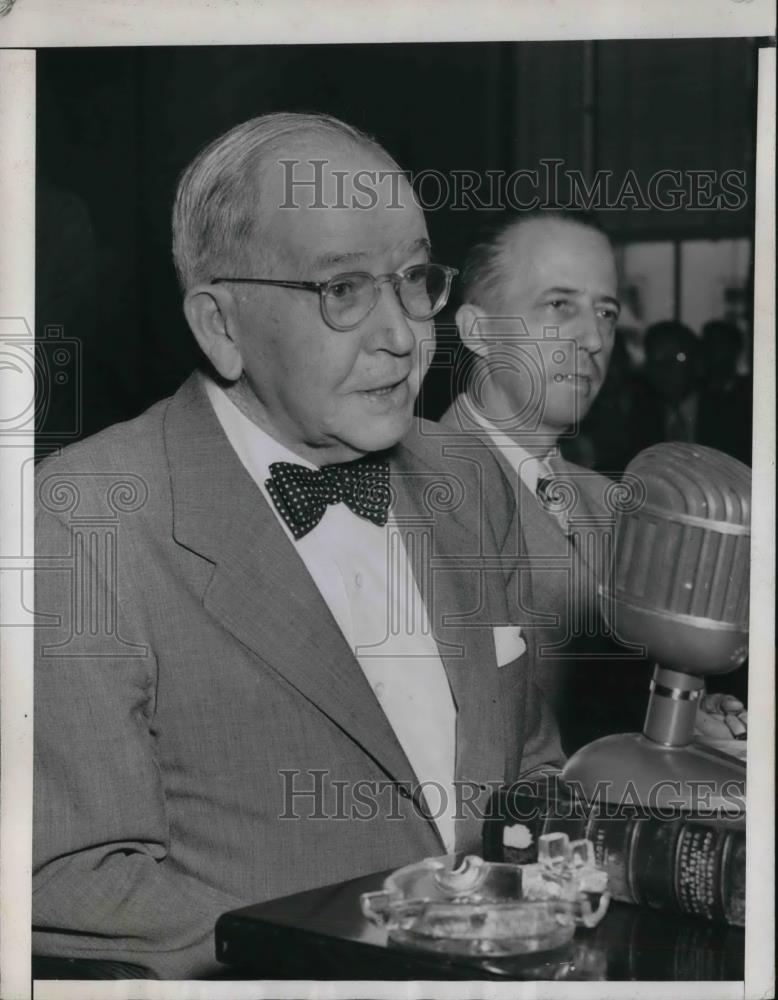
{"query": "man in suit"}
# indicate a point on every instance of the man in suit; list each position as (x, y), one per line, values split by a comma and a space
(279, 637)
(539, 313)
(668, 392)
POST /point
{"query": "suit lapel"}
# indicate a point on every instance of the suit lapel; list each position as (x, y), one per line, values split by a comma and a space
(543, 534)
(456, 604)
(590, 524)
(563, 581)
(261, 591)
(542, 538)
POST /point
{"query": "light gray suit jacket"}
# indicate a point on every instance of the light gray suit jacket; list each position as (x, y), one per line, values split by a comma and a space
(189, 677)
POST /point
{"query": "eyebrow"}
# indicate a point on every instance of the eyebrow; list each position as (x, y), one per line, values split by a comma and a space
(329, 259)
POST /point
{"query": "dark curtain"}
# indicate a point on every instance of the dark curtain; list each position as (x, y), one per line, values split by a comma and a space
(117, 126)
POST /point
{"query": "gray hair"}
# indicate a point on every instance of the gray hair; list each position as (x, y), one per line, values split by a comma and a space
(489, 265)
(215, 213)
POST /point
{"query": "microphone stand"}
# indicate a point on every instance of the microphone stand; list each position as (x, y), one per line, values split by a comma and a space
(679, 589)
(664, 769)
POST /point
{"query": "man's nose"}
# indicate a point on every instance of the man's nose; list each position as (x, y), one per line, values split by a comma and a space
(589, 335)
(390, 329)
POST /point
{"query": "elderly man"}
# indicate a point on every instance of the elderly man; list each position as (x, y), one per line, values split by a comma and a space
(540, 305)
(280, 638)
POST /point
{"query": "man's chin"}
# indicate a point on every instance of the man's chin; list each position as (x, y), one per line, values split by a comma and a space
(379, 435)
(571, 410)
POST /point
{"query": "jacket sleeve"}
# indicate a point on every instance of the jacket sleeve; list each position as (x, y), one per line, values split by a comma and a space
(103, 884)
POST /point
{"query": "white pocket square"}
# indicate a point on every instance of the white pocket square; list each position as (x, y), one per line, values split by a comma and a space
(509, 643)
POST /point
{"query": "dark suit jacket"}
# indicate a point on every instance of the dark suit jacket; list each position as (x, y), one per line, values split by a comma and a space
(577, 658)
(564, 577)
(189, 677)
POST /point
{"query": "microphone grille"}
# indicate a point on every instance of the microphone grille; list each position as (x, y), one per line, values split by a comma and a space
(685, 550)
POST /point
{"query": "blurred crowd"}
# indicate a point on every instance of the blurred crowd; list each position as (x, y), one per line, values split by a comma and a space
(669, 384)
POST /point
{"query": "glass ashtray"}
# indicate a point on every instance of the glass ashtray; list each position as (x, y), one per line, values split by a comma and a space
(483, 908)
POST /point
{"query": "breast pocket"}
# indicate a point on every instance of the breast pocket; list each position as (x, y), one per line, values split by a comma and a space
(509, 644)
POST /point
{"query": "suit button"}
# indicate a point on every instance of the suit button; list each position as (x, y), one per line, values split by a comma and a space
(404, 793)
(379, 689)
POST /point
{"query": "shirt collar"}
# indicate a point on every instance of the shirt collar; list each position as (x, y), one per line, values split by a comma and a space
(256, 449)
(530, 468)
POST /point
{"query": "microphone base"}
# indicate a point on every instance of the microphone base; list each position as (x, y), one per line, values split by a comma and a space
(695, 780)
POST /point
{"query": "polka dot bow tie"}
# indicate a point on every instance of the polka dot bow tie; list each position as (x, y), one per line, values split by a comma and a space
(301, 495)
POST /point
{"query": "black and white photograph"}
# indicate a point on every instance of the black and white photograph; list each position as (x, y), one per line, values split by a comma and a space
(387, 428)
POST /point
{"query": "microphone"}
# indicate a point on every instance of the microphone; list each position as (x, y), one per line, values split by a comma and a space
(678, 587)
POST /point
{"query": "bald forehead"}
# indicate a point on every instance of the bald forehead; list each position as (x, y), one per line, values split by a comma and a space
(338, 202)
(557, 252)
(330, 171)
(527, 240)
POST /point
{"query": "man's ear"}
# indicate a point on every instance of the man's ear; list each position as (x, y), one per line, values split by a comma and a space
(210, 313)
(470, 321)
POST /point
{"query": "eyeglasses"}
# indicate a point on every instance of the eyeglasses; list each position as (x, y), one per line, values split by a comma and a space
(347, 299)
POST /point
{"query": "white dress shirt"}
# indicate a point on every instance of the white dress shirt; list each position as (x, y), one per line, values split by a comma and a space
(529, 468)
(365, 578)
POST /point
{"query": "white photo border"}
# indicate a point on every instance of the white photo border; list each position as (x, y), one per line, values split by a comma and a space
(30, 24)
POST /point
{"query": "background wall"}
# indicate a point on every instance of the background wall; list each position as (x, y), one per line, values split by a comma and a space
(116, 127)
